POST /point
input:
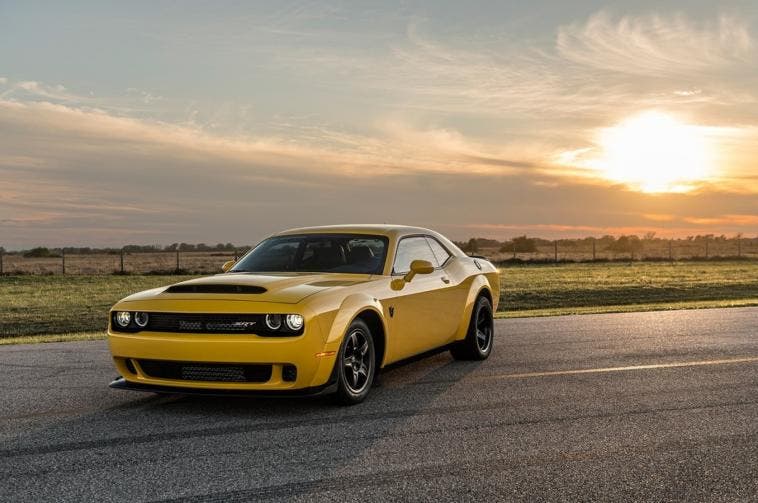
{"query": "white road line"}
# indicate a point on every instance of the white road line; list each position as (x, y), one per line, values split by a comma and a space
(623, 369)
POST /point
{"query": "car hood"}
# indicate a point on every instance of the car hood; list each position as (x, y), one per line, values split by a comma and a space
(273, 287)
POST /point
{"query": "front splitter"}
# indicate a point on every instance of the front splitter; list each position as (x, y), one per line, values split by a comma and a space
(121, 383)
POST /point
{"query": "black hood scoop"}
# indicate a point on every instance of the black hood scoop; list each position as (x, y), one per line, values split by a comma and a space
(211, 288)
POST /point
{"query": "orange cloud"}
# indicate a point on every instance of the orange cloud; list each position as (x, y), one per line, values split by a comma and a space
(731, 220)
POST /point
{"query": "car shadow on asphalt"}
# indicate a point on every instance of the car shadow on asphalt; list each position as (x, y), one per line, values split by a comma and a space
(313, 426)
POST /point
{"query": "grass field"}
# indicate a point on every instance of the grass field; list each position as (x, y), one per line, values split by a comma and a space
(615, 287)
(60, 307)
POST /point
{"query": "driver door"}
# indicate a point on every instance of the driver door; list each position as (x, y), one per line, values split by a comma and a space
(416, 312)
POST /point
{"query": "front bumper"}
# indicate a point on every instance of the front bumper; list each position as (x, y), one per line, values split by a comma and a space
(313, 359)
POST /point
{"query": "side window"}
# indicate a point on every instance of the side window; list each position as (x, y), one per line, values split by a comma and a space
(410, 249)
(439, 251)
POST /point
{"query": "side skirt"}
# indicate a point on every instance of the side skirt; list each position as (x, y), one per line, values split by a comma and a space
(419, 356)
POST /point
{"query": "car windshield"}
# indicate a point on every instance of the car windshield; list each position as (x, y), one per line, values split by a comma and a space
(345, 253)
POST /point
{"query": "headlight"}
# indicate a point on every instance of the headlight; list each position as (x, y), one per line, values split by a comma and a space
(141, 319)
(274, 321)
(123, 318)
(294, 322)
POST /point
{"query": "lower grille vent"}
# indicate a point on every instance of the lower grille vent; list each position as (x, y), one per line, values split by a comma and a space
(206, 323)
(211, 372)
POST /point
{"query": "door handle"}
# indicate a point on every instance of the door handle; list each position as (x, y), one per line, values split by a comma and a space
(445, 279)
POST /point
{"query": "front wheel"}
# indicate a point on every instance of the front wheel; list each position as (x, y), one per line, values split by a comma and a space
(356, 364)
(478, 342)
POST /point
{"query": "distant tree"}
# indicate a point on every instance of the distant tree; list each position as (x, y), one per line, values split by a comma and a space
(487, 243)
(649, 236)
(521, 244)
(472, 246)
(40, 252)
(625, 244)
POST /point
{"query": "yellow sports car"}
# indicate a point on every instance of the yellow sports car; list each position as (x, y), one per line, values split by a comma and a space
(308, 311)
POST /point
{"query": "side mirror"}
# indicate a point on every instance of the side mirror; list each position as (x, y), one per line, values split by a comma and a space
(417, 267)
(228, 265)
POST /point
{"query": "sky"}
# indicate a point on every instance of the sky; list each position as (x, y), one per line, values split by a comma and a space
(161, 122)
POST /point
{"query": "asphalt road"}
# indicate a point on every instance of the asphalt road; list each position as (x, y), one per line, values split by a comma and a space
(644, 406)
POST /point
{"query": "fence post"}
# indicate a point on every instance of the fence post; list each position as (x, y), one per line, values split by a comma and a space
(122, 260)
(593, 249)
(1, 261)
(706, 248)
(555, 245)
(177, 260)
(63, 261)
(514, 250)
(236, 255)
(739, 253)
(671, 250)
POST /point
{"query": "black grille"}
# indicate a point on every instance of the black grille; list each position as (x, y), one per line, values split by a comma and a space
(206, 323)
(222, 288)
(213, 372)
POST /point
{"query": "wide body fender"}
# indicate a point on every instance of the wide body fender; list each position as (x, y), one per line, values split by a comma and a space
(335, 321)
(479, 283)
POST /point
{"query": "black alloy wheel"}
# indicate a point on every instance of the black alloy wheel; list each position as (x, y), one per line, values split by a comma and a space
(356, 364)
(478, 342)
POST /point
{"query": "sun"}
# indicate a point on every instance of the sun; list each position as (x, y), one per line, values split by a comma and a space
(654, 152)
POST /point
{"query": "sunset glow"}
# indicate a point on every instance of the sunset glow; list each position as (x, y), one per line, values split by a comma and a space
(654, 152)
(463, 118)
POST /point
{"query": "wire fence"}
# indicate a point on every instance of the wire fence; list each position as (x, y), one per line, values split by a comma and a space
(210, 262)
(158, 262)
(596, 250)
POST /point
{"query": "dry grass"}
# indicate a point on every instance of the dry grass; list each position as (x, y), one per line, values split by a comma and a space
(71, 306)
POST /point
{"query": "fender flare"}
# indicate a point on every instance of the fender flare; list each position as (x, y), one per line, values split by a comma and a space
(479, 284)
(350, 308)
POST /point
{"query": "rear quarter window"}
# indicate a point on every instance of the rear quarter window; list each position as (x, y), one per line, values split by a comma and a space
(440, 253)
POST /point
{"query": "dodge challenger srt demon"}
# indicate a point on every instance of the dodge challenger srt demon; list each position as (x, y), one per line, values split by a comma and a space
(307, 311)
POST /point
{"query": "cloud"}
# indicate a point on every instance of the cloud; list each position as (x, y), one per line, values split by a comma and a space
(600, 65)
(656, 45)
(95, 178)
(35, 90)
(90, 165)
(750, 221)
(468, 135)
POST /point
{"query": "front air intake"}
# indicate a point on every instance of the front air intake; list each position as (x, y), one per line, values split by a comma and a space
(206, 372)
(220, 288)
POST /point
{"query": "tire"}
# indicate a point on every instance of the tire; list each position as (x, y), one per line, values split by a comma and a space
(356, 364)
(480, 336)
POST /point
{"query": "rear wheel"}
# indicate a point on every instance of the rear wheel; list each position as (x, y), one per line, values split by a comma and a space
(356, 364)
(478, 342)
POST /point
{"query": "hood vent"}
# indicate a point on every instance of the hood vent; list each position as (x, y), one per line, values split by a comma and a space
(221, 288)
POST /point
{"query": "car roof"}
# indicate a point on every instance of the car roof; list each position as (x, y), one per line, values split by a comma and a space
(389, 230)
(393, 232)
